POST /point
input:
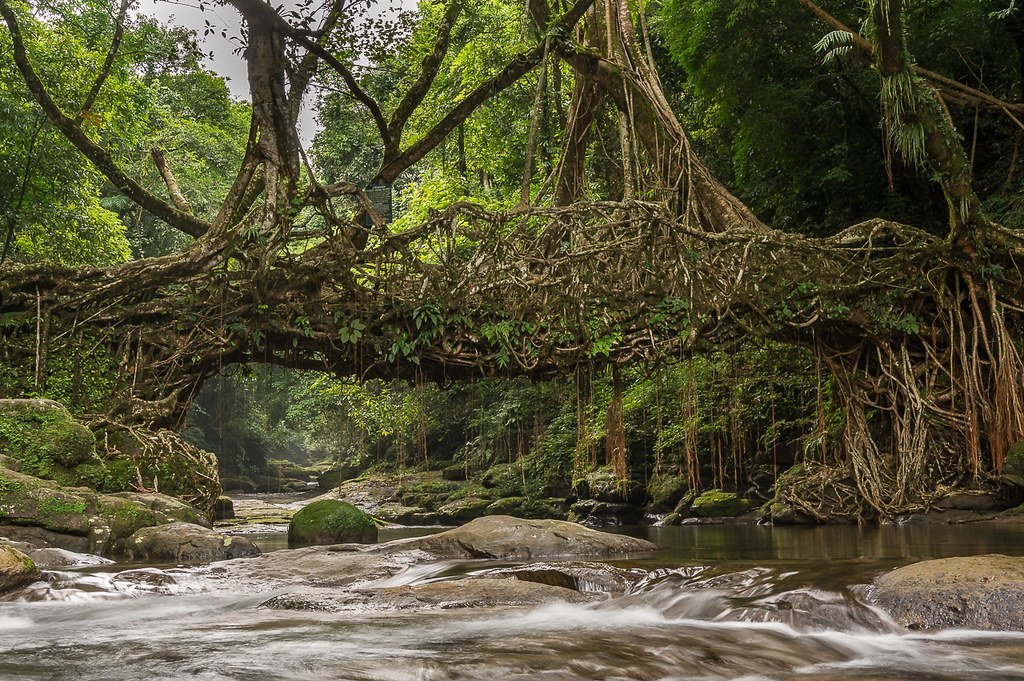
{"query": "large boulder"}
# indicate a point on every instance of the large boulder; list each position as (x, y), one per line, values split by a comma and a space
(16, 569)
(331, 521)
(45, 514)
(506, 538)
(186, 543)
(975, 592)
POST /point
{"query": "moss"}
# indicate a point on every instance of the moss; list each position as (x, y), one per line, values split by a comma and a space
(1014, 464)
(61, 506)
(505, 479)
(43, 438)
(719, 504)
(521, 507)
(330, 521)
(665, 491)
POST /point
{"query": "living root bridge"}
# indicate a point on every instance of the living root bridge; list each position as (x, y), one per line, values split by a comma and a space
(922, 345)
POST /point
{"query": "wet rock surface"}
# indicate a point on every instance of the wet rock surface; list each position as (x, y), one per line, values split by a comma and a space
(478, 593)
(186, 543)
(508, 538)
(16, 569)
(976, 592)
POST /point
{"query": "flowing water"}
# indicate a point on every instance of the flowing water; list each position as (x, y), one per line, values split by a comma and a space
(720, 602)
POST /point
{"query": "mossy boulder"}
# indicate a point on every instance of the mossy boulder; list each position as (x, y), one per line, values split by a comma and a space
(457, 471)
(331, 521)
(603, 485)
(719, 504)
(16, 569)
(1013, 466)
(506, 480)
(664, 492)
(594, 512)
(186, 543)
(43, 438)
(462, 510)
(522, 507)
(77, 518)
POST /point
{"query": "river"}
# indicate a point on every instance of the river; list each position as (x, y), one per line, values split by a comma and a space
(731, 602)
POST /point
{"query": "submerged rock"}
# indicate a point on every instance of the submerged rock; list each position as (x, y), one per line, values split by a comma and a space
(186, 543)
(976, 592)
(16, 569)
(331, 521)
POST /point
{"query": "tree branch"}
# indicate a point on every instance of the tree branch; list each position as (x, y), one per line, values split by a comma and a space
(180, 202)
(108, 62)
(428, 72)
(519, 66)
(99, 156)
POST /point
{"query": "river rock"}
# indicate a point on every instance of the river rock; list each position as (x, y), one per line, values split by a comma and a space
(598, 513)
(186, 543)
(331, 521)
(16, 569)
(223, 508)
(45, 514)
(445, 595)
(718, 504)
(975, 592)
(168, 508)
(575, 575)
(522, 507)
(507, 538)
(462, 510)
(51, 558)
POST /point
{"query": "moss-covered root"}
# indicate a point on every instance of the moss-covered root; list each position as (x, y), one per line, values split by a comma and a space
(330, 521)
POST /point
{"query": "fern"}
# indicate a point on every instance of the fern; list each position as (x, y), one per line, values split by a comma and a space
(834, 45)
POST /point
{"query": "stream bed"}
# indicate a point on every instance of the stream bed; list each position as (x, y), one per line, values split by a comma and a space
(733, 602)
